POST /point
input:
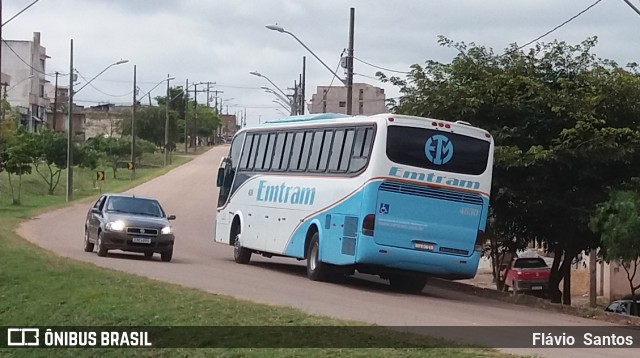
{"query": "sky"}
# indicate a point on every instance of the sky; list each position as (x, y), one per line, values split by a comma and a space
(222, 41)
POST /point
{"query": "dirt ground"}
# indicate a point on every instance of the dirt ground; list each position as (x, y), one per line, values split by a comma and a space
(579, 283)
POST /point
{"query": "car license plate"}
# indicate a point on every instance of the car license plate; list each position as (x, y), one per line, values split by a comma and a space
(141, 240)
(536, 288)
(424, 246)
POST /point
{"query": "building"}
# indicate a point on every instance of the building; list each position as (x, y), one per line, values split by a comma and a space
(57, 117)
(104, 119)
(228, 125)
(612, 282)
(24, 62)
(367, 100)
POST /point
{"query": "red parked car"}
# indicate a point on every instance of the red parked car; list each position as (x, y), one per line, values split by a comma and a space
(528, 274)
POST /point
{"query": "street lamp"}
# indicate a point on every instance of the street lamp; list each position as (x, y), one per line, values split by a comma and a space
(282, 105)
(348, 82)
(70, 120)
(281, 29)
(256, 73)
(269, 90)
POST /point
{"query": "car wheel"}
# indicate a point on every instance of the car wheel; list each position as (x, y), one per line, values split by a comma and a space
(316, 269)
(102, 251)
(88, 246)
(241, 255)
(408, 284)
(166, 256)
(148, 254)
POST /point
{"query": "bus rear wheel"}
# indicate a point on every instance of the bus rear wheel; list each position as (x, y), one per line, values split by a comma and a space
(407, 283)
(241, 255)
(316, 269)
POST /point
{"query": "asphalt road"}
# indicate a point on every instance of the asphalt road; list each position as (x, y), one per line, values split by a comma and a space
(189, 192)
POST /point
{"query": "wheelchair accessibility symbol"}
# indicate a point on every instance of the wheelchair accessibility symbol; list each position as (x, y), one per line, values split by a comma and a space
(384, 208)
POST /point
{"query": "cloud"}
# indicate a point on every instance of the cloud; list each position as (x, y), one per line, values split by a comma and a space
(221, 41)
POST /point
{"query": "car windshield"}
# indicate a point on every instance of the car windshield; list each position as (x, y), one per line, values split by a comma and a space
(530, 263)
(135, 206)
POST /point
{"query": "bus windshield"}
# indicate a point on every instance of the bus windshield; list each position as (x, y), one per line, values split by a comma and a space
(437, 150)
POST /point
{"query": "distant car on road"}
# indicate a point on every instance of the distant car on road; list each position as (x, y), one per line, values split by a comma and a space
(528, 274)
(129, 223)
(625, 307)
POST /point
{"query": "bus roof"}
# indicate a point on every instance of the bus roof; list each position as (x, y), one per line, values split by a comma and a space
(307, 117)
(339, 118)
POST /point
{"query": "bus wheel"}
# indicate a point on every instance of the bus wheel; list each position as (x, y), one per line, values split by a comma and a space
(316, 269)
(241, 255)
(407, 283)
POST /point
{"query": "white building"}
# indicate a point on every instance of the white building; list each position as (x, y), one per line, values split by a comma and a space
(366, 100)
(25, 63)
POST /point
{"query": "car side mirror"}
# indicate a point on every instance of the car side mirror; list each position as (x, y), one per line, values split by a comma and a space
(96, 211)
(171, 217)
(220, 179)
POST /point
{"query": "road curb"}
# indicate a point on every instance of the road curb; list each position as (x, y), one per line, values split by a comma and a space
(530, 301)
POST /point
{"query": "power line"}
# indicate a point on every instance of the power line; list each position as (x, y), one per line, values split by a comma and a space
(382, 68)
(559, 26)
(104, 93)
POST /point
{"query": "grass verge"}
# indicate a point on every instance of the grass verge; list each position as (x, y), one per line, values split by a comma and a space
(38, 288)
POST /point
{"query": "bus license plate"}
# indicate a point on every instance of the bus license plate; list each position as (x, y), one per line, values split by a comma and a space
(141, 240)
(424, 246)
(536, 288)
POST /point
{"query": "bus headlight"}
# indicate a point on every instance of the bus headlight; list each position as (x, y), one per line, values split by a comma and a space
(166, 230)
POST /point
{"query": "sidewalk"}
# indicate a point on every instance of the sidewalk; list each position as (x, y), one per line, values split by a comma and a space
(579, 283)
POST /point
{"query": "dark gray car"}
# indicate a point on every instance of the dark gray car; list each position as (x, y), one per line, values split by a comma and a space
(128, 223)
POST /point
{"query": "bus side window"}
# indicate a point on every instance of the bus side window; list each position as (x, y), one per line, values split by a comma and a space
(346, 151)
(296, 153)
(247, 153)
(261, 153)
(336, 150)
(326, 150)
(316, 149)
(361, 149)
(268, 155)
(306, 151)
(278, 151)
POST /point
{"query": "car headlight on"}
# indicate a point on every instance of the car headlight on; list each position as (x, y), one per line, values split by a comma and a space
(166, 230)
(115, 225)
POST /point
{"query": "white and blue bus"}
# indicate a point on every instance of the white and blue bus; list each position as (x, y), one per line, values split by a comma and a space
(402, 197)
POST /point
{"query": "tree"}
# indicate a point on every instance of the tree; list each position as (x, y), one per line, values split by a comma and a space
(207, 123)
(50, 151)
(115, 150)
(89, 157)
(150, 125)
(617, 221)
(565, 125)
(19, 158)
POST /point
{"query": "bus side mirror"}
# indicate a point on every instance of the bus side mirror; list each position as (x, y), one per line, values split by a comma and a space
(220, 178)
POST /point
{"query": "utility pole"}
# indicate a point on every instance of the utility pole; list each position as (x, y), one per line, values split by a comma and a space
(55, 103)
(166, 125)
(195, 117)
(70, 130)
(133, 127)
(350, 64)
(186, 112)
(303, 83)
(294, 100)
